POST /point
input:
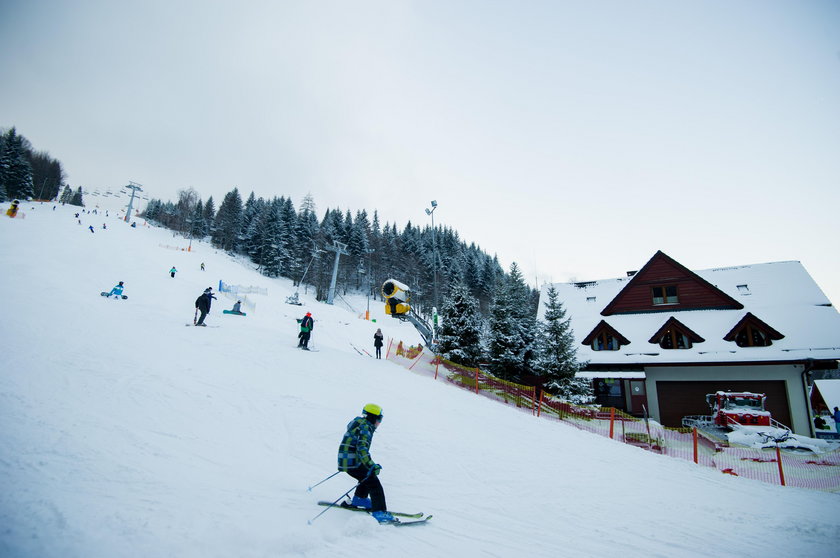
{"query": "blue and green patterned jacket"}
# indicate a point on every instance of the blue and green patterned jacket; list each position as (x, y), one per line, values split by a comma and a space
(354, 450)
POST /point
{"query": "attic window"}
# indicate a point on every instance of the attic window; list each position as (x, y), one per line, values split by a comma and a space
(752, 332)
(585, 284)
(664, 295)
(605, 341)
(605, 338)
(675, 335)
(590, 299)
(744, 289)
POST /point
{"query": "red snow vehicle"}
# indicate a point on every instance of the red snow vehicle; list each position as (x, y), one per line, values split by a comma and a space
(731, 409)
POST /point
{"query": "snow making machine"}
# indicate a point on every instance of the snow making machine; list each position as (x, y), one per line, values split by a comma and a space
(397, 305)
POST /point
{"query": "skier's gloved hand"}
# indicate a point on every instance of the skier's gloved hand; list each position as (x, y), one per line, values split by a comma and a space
(376, 468)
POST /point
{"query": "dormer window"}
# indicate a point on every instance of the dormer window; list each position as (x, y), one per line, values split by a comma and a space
(605, 338)
(605, 342)
(752, 332)
(675, 335)
(664, 295)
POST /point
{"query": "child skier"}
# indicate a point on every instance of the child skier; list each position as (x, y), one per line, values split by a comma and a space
(306, 325)
(354, 459)
(173, 271)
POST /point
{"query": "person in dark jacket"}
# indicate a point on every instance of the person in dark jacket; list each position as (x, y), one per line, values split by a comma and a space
(202, 304)
(377, 342)
(836, 417)
(306, 325)
(354, 459)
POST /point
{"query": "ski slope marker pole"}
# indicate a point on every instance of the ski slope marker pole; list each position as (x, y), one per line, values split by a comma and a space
(322, 482)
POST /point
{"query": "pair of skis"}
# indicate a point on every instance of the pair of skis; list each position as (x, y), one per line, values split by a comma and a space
(416, 517)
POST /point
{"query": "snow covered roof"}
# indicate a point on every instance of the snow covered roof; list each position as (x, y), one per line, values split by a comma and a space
(780, 294)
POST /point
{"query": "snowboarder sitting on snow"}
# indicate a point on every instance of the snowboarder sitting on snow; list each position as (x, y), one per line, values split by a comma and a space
(354, 459)
(306, 325)
(117, 290)
(237, 306)
(202, 304)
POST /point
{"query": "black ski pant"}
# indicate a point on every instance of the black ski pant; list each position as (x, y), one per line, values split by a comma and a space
(304, 339)
(370, 486)
(378, 352)
(201, 317)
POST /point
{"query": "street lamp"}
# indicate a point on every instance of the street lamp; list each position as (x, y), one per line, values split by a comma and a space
(431, 213)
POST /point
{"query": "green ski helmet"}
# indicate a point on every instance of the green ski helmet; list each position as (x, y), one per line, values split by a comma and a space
(373, 409)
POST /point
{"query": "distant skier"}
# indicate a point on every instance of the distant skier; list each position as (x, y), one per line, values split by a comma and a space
(306, 326)
(836, 416)
(202, 266)
(173, 271)
(377, 342)
(90, 227)
(202, 304)
(117, 290)
(354, 459)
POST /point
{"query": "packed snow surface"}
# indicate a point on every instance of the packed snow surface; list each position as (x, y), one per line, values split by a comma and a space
(124, 433)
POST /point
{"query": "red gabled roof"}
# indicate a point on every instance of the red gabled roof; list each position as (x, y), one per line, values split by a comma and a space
(694, 292)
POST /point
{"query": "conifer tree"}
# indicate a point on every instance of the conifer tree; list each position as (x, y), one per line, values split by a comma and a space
(459, 336)
(557, 361)
(228, 222)
(15, 168)
(77, 198)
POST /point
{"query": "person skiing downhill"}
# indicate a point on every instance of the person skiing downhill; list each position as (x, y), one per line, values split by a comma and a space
(117, 290)
(354, 459)
(306, 325)
(172, 272)
(202, 304)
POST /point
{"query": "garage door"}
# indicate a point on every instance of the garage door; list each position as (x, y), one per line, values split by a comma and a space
(678, 399)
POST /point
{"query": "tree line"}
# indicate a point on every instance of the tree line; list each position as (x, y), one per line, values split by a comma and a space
(488, 316)
(29, 174)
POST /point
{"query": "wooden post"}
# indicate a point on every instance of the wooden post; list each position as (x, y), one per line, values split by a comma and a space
(781, 470)
(694, 437)
(539, 404)
(476, 380)
(612, 421)
(388, 352)
(437, 363)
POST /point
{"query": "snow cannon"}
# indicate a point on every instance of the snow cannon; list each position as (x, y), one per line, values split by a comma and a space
(397, 297)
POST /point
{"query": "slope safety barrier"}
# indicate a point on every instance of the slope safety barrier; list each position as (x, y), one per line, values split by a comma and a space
(773, 465)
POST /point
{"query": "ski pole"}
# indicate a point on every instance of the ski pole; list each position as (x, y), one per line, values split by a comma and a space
(195, 316)
(323, 481)
(334, 503)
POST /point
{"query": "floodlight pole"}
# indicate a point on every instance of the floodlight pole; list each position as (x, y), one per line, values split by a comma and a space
(134, 187)
(339, 248)
(431, 213)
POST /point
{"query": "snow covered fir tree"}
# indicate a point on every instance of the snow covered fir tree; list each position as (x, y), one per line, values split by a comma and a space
(487, 317)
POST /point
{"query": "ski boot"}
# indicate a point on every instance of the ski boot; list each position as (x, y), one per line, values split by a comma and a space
(363, 503)
(384, 517)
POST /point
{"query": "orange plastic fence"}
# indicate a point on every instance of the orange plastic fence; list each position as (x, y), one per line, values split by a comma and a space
(804, 470)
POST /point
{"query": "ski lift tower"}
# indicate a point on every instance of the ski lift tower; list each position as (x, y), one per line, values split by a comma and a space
(339, 248)
(134, 187)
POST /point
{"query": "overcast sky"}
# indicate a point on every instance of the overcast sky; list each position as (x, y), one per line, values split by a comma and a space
(575, 138)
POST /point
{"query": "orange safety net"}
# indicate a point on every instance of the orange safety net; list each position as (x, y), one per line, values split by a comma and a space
(800, 469)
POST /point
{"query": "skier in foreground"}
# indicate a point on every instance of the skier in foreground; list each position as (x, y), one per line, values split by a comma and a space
(354, 459)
